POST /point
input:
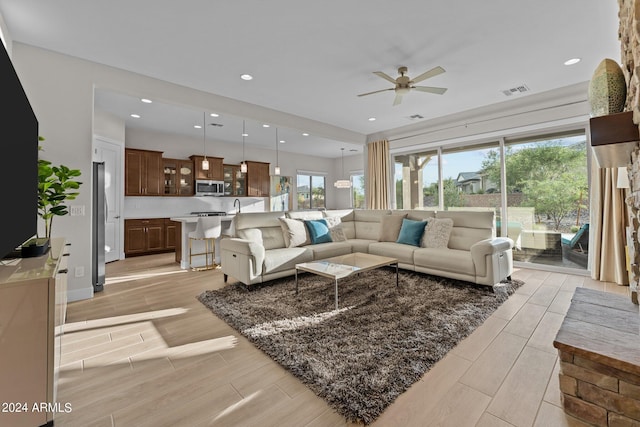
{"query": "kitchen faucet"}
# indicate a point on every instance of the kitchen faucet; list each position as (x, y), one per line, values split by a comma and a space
(234, 205)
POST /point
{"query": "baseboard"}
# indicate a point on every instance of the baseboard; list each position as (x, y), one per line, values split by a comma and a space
(79, 294)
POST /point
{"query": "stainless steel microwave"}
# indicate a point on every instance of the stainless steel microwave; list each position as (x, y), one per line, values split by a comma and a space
(209, 188)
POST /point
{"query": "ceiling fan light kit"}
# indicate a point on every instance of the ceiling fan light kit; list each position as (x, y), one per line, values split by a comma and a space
(404, 84)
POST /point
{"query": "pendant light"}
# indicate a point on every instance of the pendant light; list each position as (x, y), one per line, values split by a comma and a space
(205, 162)
(342, 183)
(243, 165)
(276, 171)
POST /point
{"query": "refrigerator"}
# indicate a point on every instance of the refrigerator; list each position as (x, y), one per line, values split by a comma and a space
(99, 215)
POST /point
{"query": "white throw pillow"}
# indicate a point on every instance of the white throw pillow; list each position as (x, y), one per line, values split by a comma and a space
(335, 229)
(294, 232)
(437, 233)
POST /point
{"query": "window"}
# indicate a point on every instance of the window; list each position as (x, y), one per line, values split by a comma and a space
(416, 180)
(357, 190)
(311, 191)
(542, 181)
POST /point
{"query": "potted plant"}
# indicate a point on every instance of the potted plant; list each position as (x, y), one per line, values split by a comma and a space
(56, 185)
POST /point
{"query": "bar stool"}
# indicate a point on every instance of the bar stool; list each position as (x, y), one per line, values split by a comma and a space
(208, 229)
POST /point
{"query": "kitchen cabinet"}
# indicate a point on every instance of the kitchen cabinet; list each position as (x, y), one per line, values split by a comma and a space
(258, 179)
(148, 236)
(235, 183)
(178, 177)
(215, 171)
(143, 172)
(32, 312)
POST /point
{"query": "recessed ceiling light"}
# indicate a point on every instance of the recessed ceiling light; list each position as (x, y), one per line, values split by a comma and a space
(135, 116)
(305, 134)
(146, 101)
(197, 126)
(214, 115)
(282, 141)
(245, 134)
(265, 125)
(572, 61)
(372, 119)
(246, 77)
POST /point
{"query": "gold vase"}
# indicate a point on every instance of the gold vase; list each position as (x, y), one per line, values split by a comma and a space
(607, 89)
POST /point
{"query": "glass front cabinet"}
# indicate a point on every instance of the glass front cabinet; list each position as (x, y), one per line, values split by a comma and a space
(178, 177)
(234, 181)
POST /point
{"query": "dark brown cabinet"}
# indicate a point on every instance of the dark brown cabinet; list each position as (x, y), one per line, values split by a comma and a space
(143, 173)
(178, 177)
(235, 183)
(258, 180)
(146, 236)
(215, 171)
(170, 234)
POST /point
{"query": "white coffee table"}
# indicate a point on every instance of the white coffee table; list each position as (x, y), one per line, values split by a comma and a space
(343, 266)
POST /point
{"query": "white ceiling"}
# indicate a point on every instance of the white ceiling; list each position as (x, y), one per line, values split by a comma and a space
(311, 59)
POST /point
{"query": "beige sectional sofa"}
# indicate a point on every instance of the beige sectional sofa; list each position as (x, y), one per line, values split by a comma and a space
(260, 251)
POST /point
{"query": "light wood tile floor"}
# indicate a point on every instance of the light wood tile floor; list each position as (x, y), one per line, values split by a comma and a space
(145, 352)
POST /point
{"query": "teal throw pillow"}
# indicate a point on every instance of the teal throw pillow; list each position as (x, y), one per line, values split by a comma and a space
(411, 232)
(318, 231)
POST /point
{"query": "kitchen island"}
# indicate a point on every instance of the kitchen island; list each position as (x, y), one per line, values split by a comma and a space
(188, 224)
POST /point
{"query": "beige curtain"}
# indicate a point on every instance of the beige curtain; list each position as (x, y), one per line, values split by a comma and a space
(377, 184)
(609, 213)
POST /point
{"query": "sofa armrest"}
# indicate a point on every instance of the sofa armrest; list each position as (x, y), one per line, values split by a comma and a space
(245, 247)
(491, 246)
(482, 253)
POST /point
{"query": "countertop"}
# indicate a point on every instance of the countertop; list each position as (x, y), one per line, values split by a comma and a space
(194, 218)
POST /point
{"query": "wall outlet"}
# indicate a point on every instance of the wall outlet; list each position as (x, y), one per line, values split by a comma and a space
(79, 272)
(76, 210)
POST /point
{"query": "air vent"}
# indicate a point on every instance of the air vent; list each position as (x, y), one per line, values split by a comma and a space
(216, 124)
(516, 90)
(416, 117)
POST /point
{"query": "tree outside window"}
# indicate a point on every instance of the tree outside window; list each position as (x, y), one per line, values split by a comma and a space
(311, 191)
(357, 191)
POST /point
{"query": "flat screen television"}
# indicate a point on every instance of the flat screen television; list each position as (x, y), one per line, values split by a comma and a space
(18, 160)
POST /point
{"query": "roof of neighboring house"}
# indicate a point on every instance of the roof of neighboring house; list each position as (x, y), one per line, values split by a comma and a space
(468, 176)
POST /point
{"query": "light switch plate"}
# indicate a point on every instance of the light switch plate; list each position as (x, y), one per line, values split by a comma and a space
(76, 210)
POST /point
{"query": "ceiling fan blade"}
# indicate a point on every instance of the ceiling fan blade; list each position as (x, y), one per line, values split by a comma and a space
(436, 90)
(385, 76)
(398, 99)
(431, 73)
(375, 91)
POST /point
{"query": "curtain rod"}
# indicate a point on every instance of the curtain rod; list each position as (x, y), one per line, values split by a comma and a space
(465, 124)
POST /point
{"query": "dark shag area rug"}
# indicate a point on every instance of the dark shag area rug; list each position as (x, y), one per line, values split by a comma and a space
(382, 339)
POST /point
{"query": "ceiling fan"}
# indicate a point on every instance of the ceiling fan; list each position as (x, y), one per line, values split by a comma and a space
(403, 84)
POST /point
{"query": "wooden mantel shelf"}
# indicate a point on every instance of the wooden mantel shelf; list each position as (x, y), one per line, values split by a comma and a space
(599, 348)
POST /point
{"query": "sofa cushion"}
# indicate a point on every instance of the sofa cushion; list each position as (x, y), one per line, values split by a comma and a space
(285, 259)
(367, 223)
(415, 214)
(411, 232)
(390, 227)
(452, 260)
(328, 250)
(304, 215)
(360, 245)
(436, 233)
(403, 253)
(294, 232)
(469, 227)
(335, 229)
(318, 230)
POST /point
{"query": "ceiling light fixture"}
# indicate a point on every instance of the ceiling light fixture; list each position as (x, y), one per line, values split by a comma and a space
(572, 61)
(197, 126)
(135, 116)
(214, 115)
(205, 162)
(243, 165)
(342, 183)
(372, 119)
(146, 101)
(246, 77)
(276, 171)
(265, 125)
(305, 134)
